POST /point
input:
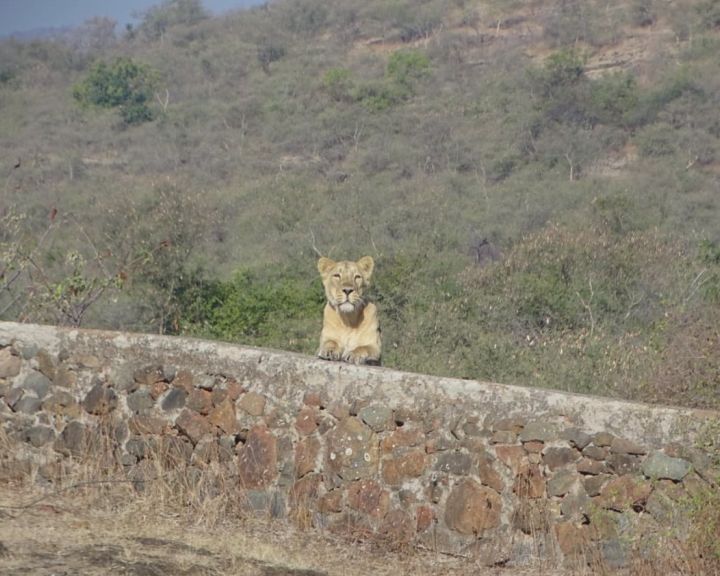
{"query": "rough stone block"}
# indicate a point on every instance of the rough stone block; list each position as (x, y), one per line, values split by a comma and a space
(472, 508)
(352, 450)
(9, 363)
(660, 466)
(368, 497)
(174, 399)
(100, 400)
(252, 403)
(223, 416)
(193, 425)
(199, 400)
(257, 458)
(396, 470)
(624, 492)
(307, 420)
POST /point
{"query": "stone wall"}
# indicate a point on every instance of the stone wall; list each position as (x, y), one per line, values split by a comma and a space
(499, 473)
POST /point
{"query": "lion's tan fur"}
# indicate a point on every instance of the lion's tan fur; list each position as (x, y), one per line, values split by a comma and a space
(351, 331)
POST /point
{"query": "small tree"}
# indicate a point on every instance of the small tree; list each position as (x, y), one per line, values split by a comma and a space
(124, 85)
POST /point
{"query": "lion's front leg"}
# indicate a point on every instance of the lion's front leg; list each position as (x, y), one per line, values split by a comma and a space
(363, 355)
(329, 350)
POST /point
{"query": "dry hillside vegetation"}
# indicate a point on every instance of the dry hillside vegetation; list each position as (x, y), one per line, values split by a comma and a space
(537, 182)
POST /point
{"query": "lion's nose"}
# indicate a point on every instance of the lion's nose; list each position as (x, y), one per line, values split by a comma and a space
(347, 291)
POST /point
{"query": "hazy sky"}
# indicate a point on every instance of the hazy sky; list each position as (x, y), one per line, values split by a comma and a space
(22, 15)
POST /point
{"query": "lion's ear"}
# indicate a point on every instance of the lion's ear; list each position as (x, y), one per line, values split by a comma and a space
(366, 265)
(324, 265)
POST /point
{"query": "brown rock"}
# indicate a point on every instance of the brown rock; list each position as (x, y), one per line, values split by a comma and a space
(369, 497)
(397, 529)
(488, 475)
(423, 518)
(234, 389)
(398, 469)
(622, 446)
(257, 458)
(593, 484)
(572, 539)
(183, 379)
(312, 398)
(555, 458)
(509, 424)
(62, 403)
(148, 375)
(472, 508)
(307, 421)
(141, 424)
(331, 502)
(306, 454)
(503, 437)
(193, 425)
(529, 482)
(9, 364)
(304, 492)
(405, 437)
(534, 446)
(46, 365)
(594, 467)
(100, 400)
(88, 361)
(623, 463)
(64, 377)
(595, 452)
(624, 492)
(200, 401)
(603, 439)
(157, 389)
(531, 516)
(223, 416)
(512, 456)
(252, 403)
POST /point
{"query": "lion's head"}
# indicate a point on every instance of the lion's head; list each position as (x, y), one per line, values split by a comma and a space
(345, 282)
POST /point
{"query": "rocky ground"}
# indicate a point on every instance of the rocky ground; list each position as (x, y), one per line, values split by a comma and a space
(64, 535)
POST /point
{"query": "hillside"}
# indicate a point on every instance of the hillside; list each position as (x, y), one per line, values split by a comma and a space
(537, 181)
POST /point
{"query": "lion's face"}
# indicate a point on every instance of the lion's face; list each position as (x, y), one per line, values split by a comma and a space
(345, 282)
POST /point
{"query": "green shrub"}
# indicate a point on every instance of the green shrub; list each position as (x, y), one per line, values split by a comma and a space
(405, 67)
(613, 98)
(338, 83)
(656, 140)
(122, 84)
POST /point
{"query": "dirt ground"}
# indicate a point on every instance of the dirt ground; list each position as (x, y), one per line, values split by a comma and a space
(63, 536)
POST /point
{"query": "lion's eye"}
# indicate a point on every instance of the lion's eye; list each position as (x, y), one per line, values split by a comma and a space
(358, 277)
(336, 276)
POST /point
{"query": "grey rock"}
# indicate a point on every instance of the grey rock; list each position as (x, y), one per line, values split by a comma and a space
(73, 439)
(577, 437)
(100, 400)
(37, 383)
(457, 463)
(614, 553)
(379, 418)
(141, 448)
(39, 435)
(658, 466)
(561, 482)
(28, 350)
(27, 405)
(540, 431)
(140, 401)
(623, 463)
(174, 399)
(576, 502)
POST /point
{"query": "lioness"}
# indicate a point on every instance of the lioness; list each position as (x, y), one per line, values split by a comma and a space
(350, 326)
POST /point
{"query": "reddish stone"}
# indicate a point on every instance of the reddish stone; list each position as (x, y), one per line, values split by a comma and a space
(555, 458)
(144, 376)
(595, 452)
(234, 389)
(339, 411)
(472, 508)
(157, 389)
(593, 467)
(305, 490)
(512, 456)
(397, 529)
(369, 497)
(423, 518)
(404, 437)
(572, 539)
(331, 502)
(509, 424)
(410, 465)
(223, 416)
(183, 379)
(147, 425)
(488, 475)
(252, 403)
(313, 399)
(624, 492)
(257, 458)
(306, 453)
(503, 437)
(200, 401)
(534, 446)
(529, 482)
(193, 425)
(9, 364)
(219, 395)
(531, 516)
(307, 421)
(603, 439)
